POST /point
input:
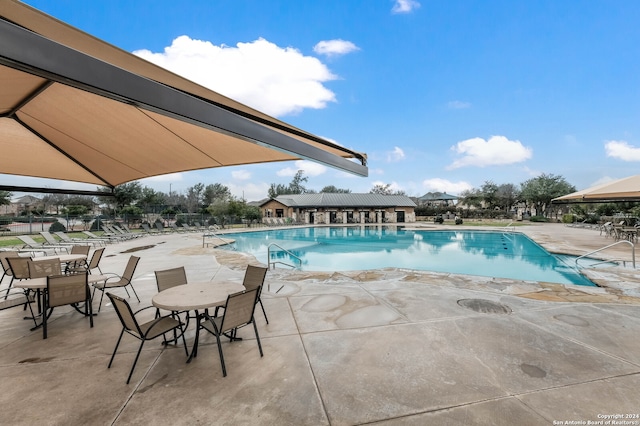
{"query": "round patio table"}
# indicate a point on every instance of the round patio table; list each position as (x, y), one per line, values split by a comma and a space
(193, 297)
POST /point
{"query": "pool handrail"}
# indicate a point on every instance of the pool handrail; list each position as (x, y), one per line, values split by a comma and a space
(284, 250)
(633, 252)
(510, 227)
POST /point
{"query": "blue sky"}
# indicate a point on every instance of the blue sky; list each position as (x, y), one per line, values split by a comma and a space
(441, 95)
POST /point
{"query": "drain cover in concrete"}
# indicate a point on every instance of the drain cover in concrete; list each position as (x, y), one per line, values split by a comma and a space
(484, 306)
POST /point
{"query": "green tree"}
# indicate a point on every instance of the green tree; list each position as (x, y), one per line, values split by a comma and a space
(195, 197)
(295, 186)
(214, 192)
(489, 191)
(383, 189)
(539, 191)
(5, 198)
(507, 195)
(123, 195)
(150, 197)
(471, 198)
(331, 189)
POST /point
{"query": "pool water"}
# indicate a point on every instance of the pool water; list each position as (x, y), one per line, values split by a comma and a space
(485, 253)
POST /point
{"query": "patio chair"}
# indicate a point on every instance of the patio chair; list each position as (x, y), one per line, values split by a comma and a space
(254, 279)
(78, 265)
(94, 263)
(66, 290)
(238, 312)
(170, 278)
(123, 280)
(6, 270)
(143, 332)
(12, 297)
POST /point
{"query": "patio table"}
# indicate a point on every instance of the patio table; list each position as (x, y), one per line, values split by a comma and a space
(195, 297)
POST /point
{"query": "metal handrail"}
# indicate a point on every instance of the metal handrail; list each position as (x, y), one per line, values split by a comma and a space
(211, 233)
(633, 251)
(277, 261)
(509, 227)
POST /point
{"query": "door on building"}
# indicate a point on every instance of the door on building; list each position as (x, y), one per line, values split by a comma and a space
(400, 216)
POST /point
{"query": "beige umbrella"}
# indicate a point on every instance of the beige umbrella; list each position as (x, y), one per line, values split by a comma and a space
(75, 108)
(627, 189)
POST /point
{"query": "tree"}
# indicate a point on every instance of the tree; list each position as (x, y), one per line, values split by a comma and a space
(507, 195)
(150, 197)
(471, 198)
(5, 198)
(123, 195)
(489, 191)
(195, 197)
(383, 189)
(214, 192)
(295, 186)
(539, 191)
(331, 189)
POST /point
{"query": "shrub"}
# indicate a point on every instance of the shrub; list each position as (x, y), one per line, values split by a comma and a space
(538, 219)
(458, 221)
(57, 227)
(568, 218)
(438, 219)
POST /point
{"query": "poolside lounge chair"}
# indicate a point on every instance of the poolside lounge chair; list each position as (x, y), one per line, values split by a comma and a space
(176, 228)
(51, 240)
(35, 246)
(148, 230)
(105, 239)
(66, 239)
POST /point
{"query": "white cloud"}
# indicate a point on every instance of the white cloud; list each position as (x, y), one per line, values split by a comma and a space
(270, 78)
(622, 151)
(396, 155)
(241, 175)
(334, 47)
(497, 151)
(443, 185)
(309, 168)
(459, 105)
(404, 6)
(249, 190)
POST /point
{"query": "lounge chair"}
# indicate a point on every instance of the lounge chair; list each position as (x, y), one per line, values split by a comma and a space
(32, 245)
(105, 239)
(148, 230)
(176, 228)
(66, 239)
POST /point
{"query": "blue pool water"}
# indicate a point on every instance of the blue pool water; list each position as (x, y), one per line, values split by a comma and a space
(493, 254)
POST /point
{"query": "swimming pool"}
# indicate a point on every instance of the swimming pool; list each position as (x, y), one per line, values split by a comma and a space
(485, 253)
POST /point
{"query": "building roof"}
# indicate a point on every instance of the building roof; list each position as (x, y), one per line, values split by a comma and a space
(344, 200)
(437, 196)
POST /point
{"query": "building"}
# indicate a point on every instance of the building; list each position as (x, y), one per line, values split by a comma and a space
(325, 208)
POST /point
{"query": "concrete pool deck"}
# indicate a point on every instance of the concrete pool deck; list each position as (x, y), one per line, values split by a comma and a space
(387, 347)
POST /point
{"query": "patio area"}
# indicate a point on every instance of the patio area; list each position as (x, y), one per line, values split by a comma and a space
(384, 347)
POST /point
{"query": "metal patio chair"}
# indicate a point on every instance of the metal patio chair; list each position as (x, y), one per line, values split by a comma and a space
(143, 332)
(114, 280)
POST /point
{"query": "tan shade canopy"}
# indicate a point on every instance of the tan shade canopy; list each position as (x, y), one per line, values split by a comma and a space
(75, 108)
(627, 189)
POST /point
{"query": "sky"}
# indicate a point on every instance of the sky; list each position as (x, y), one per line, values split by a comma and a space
(440, 95)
